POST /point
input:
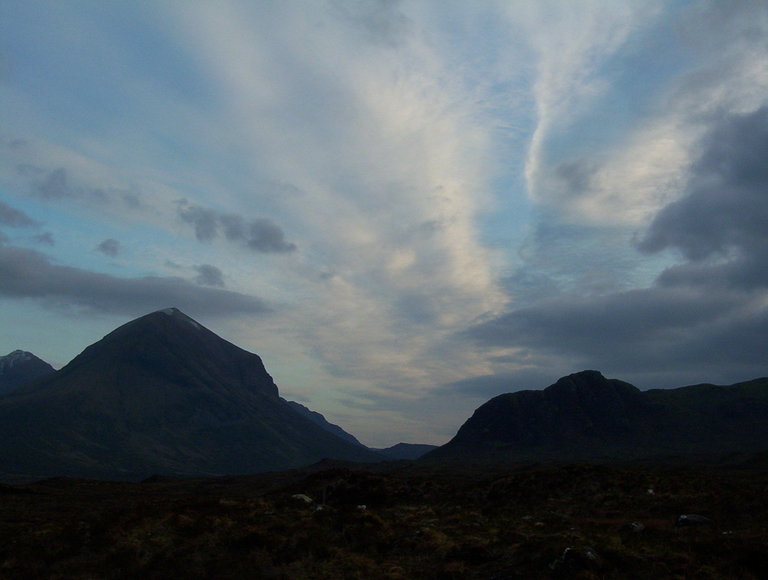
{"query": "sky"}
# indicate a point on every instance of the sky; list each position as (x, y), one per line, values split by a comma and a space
(405, 208)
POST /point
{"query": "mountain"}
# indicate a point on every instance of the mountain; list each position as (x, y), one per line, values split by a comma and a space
(395, 452)
(159, 395)
(406, 450)
(319, 420)
(585, 416)
(20, 367)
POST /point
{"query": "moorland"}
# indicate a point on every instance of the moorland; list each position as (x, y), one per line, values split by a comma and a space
(397, 520)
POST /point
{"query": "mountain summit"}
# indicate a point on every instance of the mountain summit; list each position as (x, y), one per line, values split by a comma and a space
(19, 368)
(160, 394)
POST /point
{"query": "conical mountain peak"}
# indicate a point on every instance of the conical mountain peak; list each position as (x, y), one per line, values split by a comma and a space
(160, 394)
(169, 345)
(168, 317)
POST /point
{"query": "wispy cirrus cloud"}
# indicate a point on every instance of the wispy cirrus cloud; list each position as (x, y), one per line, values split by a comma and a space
(700, 319)
(381, 145)
(573, 46)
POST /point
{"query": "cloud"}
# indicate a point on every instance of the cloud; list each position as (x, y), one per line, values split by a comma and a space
(109, 247)
(45, 238)
(29, 274)
(723, 212)
(630, 152)
(388, 147)
(571, 45)
(486, 386)
(390, 164)
(204, 220)
(55, 185)
(208, 275)
(70, 179)
(381, 21)
(658, 335)
(605, 326)
(260, 235)
(14, 218)
(700, 319)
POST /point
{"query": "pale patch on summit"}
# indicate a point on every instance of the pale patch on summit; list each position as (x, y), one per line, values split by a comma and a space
(178, 313)
(11, 359)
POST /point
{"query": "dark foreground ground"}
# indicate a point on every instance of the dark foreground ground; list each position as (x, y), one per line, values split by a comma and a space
(401, 522)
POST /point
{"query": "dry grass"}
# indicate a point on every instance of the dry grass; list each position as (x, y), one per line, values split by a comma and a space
(415, 524)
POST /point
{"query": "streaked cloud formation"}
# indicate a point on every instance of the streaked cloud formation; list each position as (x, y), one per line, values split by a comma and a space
(403, 207)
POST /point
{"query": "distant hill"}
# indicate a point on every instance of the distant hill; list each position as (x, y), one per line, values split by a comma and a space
(159, 395)
(395, 452)
(19, 368)
(406, 450)
(585, 416)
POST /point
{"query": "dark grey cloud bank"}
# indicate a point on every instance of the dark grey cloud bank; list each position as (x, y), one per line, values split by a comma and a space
(724, 214)
(705, 319)
(26, 273)
(260, 235)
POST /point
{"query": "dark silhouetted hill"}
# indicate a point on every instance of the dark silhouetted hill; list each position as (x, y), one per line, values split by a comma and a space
(406, 450)
(585, 416)
(159, 395)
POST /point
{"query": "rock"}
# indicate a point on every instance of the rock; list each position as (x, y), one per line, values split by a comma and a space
(633, 527)
(574, 560)
(689, 520)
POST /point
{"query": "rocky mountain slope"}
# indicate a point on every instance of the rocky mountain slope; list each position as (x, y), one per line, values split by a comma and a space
(585, 416)
(408, 451)
(320, 420)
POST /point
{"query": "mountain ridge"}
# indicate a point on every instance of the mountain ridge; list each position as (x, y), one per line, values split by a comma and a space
(585, 416)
